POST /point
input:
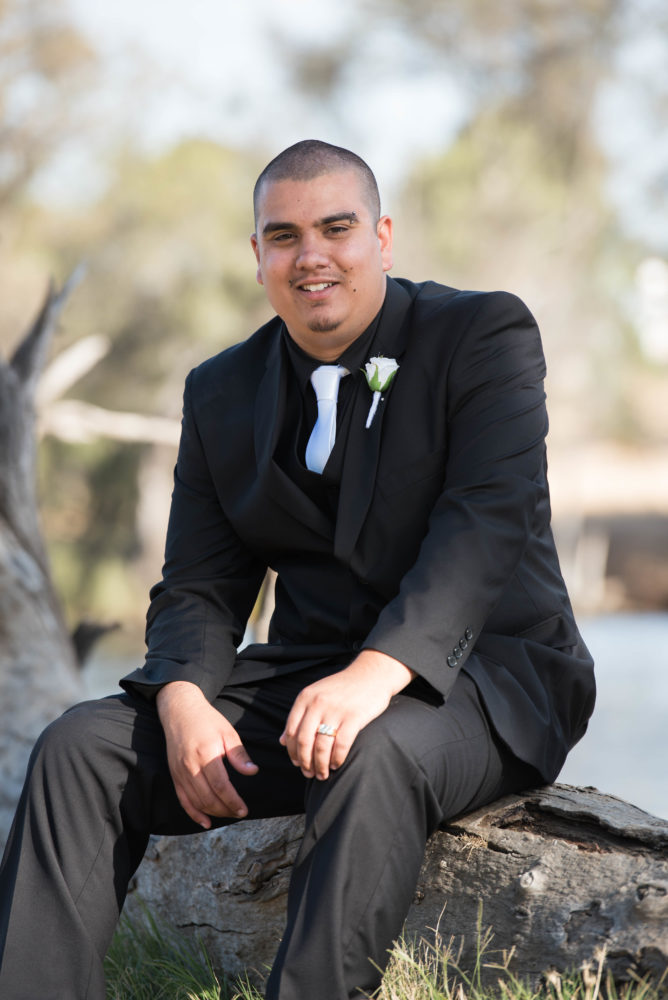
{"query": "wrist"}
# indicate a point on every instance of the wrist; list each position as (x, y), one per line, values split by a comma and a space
(390, 671)
(176, 691)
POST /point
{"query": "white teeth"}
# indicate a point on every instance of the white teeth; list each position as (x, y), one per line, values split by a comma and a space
(318, 288)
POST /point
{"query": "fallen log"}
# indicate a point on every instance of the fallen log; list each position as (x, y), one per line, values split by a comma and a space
(561, 872)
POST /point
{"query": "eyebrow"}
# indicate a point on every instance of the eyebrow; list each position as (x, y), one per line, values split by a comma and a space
(328, 220)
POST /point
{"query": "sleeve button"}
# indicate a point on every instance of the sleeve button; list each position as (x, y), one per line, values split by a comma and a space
(468, 634)
(452, 661)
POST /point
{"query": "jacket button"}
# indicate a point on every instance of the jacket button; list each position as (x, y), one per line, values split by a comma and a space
(458, 653)
(463, 644)
(468, 634)
(452, 661)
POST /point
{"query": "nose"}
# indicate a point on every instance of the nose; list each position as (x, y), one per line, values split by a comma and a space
(312, 252)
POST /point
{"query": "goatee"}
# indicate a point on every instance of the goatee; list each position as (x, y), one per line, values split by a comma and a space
(323, 325)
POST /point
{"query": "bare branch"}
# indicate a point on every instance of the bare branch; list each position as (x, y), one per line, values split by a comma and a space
(29, 357)
(70, 366)
(79, 422)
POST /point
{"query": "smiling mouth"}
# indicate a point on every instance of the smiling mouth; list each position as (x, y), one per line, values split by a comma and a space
(319, 286)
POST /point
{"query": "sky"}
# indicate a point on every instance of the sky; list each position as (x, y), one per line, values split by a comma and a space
(211, 67)
(173, 69)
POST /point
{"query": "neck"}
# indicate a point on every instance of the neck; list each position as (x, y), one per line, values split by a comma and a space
(329, 350)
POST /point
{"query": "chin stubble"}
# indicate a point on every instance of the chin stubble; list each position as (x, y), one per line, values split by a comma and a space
(323, 325)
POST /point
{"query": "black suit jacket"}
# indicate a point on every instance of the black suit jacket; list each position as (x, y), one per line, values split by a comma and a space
(441, 553)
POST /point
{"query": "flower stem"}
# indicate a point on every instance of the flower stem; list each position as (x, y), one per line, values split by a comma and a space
(372, 409)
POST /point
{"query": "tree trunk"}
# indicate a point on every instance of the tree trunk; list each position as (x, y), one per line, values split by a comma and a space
(560, 873)
(38, 673)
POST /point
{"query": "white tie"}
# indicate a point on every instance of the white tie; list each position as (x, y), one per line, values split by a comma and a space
(325, 380)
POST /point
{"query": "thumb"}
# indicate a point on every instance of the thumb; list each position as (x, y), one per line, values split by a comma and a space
(239, 759)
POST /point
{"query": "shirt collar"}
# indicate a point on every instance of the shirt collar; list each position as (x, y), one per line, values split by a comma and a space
(353, 358)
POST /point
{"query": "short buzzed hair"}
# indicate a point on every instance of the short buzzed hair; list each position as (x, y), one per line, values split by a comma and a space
(312, 158)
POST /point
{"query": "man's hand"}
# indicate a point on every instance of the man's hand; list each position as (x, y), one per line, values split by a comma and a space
(199, 740)
(347, 701)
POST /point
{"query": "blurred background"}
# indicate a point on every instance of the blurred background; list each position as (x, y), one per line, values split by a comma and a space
(521, 145)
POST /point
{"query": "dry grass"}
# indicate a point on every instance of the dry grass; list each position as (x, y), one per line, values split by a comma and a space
(148, 962)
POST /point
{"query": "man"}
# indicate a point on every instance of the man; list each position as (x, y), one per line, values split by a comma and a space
(422, 658)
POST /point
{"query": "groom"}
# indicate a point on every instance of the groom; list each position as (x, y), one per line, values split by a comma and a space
(381, 445)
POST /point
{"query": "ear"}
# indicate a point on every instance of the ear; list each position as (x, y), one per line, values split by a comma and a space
(384, 231)
(256, 251)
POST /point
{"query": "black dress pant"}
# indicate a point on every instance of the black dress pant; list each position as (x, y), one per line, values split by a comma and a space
(98, 785)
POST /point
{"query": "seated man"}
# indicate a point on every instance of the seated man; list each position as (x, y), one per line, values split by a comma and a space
(381, 445)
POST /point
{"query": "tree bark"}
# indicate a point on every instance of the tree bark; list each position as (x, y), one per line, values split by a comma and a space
(560, 872)
(38, 673)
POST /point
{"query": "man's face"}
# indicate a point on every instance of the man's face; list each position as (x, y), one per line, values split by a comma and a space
(322, 259)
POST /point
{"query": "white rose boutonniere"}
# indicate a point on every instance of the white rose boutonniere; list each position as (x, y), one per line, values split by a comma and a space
(379, 373)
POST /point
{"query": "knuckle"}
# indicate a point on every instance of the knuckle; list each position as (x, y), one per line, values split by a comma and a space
(190, 766)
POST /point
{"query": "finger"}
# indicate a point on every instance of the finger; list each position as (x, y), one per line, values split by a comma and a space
(323, 747)
(187, 795)
(295, 739)
(218, 796)
(240, 760)
(292, 723)
(235, 751)
(196, 815)
(210, 792)
(301, 751)
(345, 737)
(305, 740)
(299, 746)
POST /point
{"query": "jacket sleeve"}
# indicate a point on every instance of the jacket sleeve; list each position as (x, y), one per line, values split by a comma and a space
(481, 521)
(199, 610)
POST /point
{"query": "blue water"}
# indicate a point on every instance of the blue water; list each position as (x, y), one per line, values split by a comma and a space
(625, 750)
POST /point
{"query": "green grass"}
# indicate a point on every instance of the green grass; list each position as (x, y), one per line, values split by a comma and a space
(149, 962)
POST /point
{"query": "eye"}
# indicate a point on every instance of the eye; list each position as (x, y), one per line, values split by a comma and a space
(282, 237)
(337, 230)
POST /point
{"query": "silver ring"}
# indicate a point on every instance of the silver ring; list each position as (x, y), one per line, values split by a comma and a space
(326, 730)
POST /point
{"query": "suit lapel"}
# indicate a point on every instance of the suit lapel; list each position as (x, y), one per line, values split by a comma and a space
(360, 464)
(274, 484)
(270, 404)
